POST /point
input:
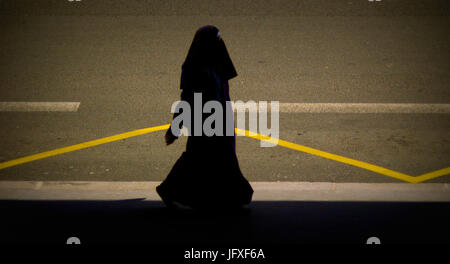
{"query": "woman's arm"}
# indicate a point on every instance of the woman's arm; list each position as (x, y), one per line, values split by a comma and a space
(193, 82)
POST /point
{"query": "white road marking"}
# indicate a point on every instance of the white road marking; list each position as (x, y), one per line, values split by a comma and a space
(363, 108)
(39, 106)
(264, 191)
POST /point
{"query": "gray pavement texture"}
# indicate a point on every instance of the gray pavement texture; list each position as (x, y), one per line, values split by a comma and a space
(122, 59)
(227, 8)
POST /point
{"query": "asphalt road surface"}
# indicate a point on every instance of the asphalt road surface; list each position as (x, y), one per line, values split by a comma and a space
(122, 61)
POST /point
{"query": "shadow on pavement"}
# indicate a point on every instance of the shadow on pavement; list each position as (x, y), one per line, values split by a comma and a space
(262, 223)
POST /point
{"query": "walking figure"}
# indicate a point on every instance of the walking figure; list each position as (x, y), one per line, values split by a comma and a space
(207, 175)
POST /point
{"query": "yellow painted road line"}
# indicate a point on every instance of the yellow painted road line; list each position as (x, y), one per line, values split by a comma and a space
(84, 145)
(283, 143)
(431, 175)
(353, 162)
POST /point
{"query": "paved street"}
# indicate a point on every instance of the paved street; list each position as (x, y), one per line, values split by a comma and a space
(121, 61)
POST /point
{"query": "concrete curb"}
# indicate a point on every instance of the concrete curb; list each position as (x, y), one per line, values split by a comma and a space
(264, 191)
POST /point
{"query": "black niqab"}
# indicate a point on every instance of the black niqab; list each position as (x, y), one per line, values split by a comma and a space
(208, 49)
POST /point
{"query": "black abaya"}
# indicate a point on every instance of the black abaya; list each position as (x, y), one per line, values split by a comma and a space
(207, 174)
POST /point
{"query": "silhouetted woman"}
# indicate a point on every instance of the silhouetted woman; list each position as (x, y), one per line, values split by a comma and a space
(207, 175)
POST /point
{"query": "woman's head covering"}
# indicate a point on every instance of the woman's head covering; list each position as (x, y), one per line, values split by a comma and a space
(208, 49)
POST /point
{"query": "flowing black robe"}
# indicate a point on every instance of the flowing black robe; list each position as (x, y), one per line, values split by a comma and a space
(207, 174)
